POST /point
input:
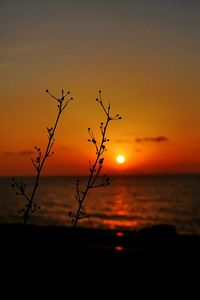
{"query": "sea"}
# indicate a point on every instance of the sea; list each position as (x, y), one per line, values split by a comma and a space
(128, 203)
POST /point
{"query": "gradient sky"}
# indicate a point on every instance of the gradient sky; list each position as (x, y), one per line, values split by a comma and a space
(142, 54)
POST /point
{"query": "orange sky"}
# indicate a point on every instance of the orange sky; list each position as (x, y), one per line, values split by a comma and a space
(143, 55)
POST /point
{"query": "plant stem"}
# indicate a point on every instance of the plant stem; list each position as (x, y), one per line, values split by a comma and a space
(94, 174)
(29, 207)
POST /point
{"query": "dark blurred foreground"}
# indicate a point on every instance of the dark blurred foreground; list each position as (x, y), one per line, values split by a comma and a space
(63, 256)
(158, 241)
(97, 263)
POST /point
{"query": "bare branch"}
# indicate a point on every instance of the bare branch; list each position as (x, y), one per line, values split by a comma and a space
(39, 162)
(96, 167)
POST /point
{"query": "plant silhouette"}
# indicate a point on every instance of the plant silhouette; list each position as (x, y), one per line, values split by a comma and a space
(30, 204)
(94, 180)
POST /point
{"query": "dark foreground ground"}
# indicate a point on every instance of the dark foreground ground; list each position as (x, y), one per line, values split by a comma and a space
(92, 262)
(104, 257)
(160, 241)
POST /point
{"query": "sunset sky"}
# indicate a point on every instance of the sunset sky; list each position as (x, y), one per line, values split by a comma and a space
(142, 54)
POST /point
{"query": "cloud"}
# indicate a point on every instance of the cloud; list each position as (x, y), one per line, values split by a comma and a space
(22, 49)
(5, 64)
(121, 141)
(157, 139)
(7, 54)
(22, 153)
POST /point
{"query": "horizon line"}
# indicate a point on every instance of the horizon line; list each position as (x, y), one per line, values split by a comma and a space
(110, 175)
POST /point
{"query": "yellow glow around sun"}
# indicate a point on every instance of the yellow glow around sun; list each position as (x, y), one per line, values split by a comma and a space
(120, 159)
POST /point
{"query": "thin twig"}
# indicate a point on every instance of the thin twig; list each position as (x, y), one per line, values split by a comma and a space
(96, 168)
(40, 160)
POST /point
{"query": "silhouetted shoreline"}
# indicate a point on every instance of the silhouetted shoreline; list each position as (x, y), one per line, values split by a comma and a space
(157, 241)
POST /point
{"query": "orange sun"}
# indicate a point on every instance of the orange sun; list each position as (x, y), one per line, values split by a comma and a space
(120, 159)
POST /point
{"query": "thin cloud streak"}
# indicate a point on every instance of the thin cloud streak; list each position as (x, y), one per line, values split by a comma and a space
(26, 48)
(7, 54)
(157, 139)
(122, 141)
(21, 153)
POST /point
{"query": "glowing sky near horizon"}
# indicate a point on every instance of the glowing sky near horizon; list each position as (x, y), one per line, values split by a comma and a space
(143, 55)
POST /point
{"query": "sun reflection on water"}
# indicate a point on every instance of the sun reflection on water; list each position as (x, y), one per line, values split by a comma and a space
(119, 248)
(120, 209)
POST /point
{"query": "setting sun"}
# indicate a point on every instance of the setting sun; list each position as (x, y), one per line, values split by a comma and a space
(120, 159)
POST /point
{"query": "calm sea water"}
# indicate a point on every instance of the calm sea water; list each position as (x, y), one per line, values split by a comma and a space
(128, 203)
